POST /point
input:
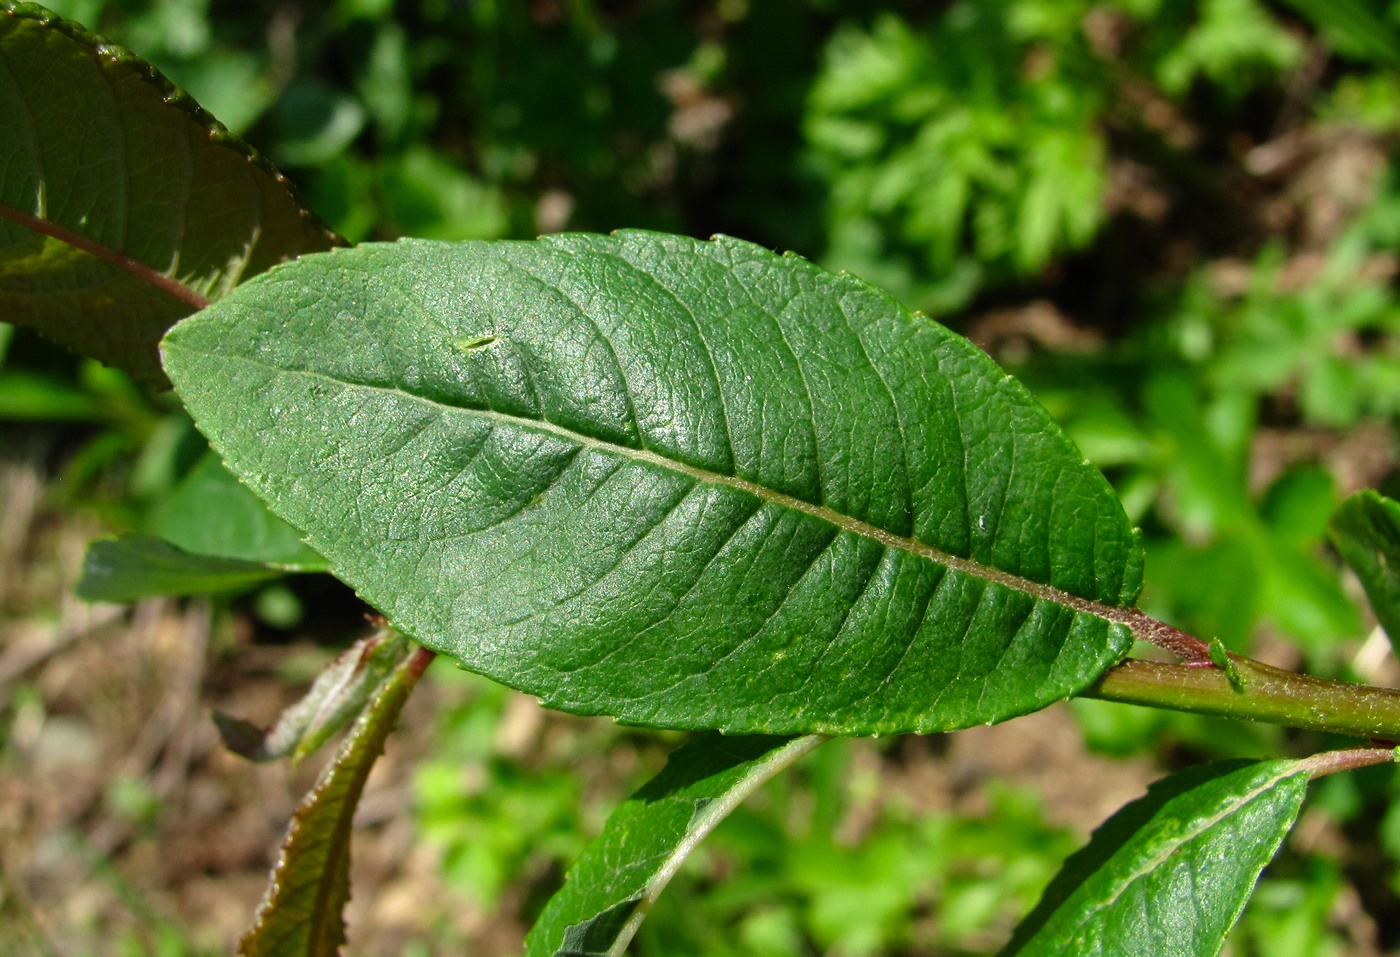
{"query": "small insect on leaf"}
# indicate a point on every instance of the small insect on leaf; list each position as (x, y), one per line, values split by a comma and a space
(473, 343)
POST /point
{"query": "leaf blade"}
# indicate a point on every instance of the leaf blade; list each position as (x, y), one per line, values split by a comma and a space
(212, 513)
(134, 567)
(301, 912)
(818, 511)
(1172, 871)
(1365, 530)
(123, 205)
(610, 889)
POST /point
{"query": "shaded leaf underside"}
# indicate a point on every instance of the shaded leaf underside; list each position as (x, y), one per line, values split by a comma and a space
(683, 483)
(123, 205)
(612, 886)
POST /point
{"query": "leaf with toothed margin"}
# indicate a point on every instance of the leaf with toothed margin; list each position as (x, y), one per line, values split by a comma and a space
(301, 910)
(123, 205)
(688, 484)
(612, 887)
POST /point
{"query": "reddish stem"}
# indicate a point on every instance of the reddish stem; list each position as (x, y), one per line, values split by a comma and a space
(122, 261)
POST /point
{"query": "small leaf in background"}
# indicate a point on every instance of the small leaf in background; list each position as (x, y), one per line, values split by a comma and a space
(314, 122)
(134, 567)
(301, 911)
(211, 535)
(337, 696)
(1171, 872)
(212, 513)
(689, 484)
(1353, 28)
(611, 888)
(1366, 533)
(123, 205)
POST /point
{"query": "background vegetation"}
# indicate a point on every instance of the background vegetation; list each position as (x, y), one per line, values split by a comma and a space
(1176, 220)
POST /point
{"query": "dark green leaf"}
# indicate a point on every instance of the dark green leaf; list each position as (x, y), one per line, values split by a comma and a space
(613, 885)
(212, 535)
(1366, 533)
(138, 566)
(123, 205)
(301, 912)
(690, 484)
(1170, 873)
(1354, 28)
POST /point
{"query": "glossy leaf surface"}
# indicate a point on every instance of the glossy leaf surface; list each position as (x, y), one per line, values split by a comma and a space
(123, 205)
(1171, 872)
(611, 888)
(1366, 532)
(684, 483)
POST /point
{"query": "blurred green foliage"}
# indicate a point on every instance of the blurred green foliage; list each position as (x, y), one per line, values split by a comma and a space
(1198, 194)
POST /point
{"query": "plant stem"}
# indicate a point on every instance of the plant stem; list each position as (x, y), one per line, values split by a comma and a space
(1262, 693)
(1332, 762)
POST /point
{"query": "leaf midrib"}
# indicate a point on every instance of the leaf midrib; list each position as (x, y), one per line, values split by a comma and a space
(1135, 621)
(1191, 833)
(148, 274)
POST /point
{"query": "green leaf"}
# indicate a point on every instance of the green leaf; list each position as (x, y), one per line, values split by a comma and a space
(1353, 28)
(1171, 872)
(138, 566)
(689, 484)
(301, 912)
(123, 205)
(1366, 532)
(212, 535)
(612, 887)
(212, 513)
(337, 696)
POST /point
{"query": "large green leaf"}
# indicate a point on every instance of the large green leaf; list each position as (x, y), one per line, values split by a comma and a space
(612, 887)
(123, 205)
(1171, 872)
(1366, 531)
(683, 483)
